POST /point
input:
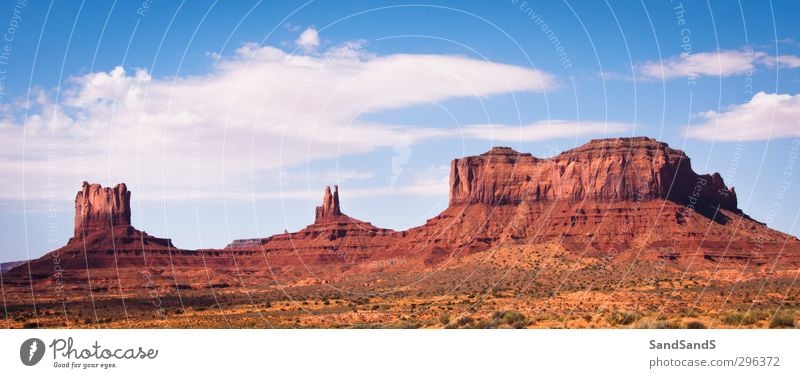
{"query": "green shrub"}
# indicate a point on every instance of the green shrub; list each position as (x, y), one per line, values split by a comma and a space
(519, 324)
(511, 318)
(732, 318)
(623, 317)
(738, 318)
(656, 324)
(466, 320)
(695, 325)
(782, 319)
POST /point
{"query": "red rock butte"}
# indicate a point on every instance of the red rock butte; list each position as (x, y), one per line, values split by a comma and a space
(103, 222)
(624, 198)
(98, 208)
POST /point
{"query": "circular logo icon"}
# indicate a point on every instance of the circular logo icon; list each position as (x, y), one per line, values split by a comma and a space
(31, 351)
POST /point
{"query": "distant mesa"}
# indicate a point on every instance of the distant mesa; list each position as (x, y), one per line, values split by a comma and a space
(6, 266)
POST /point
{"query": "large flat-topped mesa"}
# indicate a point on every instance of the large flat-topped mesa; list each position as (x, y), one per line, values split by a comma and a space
(602, 170)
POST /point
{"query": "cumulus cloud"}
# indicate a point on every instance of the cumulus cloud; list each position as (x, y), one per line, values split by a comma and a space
(721, 63)
(257, 110)
(765, 116)
(309, 39)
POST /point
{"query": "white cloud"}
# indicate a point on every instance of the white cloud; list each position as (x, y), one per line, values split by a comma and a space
(309, 39)
(543, 130)
(308, 177)
(721, 63)
(613, 75)
(291, 27)
(421, 189)
(257, 110)
(765, 116)
(782, 61)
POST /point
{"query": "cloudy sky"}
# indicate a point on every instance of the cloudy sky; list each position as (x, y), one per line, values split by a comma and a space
(227, 119)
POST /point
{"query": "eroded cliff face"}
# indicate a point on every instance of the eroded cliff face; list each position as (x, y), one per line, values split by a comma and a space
(627, 199)
(98, 208)
(103, 221)
(331, 230)
(606, 170)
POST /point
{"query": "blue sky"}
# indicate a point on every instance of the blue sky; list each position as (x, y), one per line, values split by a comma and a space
(227, 119)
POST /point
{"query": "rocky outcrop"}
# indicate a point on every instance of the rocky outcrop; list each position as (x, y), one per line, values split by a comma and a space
(331, 229)
(622, 169)
(334, 241)
(104, 241)
(98, 208)
(103, 221)
(330, 205)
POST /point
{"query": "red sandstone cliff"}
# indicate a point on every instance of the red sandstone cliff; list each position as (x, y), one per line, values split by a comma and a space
(606, 170)
(98, 208)
(626, 198)
(633, 197)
